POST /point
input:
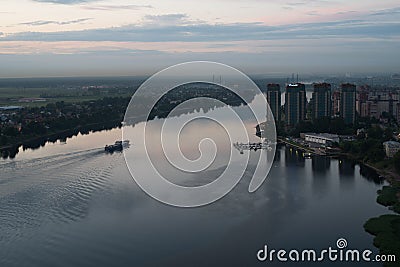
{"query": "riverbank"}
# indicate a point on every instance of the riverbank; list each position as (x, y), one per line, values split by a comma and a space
(11, 150)
(386, 228)
(389, 175)
(381, 170)
(295, 145)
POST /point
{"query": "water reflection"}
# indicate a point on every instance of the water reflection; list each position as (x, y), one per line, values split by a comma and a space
(36, 143)
(278, 156)
(346, 171)
(346, 168)
(371, 175)
(73, 205)
(321, 167)
(321, 164)
(294, 157)
(53, 206)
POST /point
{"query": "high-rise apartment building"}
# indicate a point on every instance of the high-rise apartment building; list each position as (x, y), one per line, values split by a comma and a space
(348, 103)
(321, 101)
(274, 100)
(295, 103)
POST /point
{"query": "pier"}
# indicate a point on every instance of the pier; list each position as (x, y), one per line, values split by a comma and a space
(252, 146)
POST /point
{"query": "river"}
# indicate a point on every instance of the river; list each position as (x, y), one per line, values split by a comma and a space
(71, 204)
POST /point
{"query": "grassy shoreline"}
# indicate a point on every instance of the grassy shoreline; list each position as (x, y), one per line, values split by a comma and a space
(388, 175)
(386, 228)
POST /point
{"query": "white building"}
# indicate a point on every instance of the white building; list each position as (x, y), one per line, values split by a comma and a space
(391, 148)
(322, 138)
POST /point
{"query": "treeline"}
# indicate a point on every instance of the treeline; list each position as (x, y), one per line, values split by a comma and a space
(368, 148)
(323, 125)
(11, 152)
(199, 92)
(55, 117)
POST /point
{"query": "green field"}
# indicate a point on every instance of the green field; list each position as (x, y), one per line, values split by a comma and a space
(11, 96)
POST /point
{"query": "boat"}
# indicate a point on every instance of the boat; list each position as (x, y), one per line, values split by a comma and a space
(117, 146)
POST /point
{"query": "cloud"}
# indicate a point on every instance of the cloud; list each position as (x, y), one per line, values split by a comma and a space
(335, 58)
(116, 7)
(168, 18)
(64, 2)
(310, 3)
(47, 22)
(385, 12)
(179, 27)
(181, 20)
(312, 13)
(345, 12)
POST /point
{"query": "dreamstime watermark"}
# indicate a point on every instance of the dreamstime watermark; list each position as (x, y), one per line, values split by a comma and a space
(150, 176)
(339, 253)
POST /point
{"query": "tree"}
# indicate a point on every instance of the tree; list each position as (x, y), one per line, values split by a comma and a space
(322, 125)
(375, 153)
(10, 131)
(337, 126)
(396, 161)
(387, 134)
(3, 140)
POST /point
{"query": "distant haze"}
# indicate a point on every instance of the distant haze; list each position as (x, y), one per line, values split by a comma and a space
(40, 38)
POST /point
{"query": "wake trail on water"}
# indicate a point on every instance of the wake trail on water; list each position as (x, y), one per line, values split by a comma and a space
(77, 154)
(58, 188)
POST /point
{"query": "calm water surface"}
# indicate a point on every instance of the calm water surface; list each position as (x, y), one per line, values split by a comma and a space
(70, 204)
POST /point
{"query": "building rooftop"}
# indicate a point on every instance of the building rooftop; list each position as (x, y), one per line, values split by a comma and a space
(324, 135)
(392, 144)
(294, 84)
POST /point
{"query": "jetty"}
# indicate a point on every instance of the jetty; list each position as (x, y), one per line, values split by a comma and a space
(265, 145)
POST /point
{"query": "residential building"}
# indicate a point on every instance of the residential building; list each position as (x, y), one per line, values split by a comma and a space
(391, 148)
(336, 103)
(321, 101)
(348, 103)
(295, 104)
(274, 100)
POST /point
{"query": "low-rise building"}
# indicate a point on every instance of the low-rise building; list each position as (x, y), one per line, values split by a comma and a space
(391, 148)
(3, 117)
(361, 131)
(321, 138)
(10, 108)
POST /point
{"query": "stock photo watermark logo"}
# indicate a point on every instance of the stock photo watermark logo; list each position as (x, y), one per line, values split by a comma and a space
(152, 99)
(338, 253)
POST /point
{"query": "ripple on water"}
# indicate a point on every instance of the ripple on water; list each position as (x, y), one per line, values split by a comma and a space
(52, 189)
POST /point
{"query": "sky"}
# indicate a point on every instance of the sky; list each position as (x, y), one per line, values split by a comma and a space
(54, 38)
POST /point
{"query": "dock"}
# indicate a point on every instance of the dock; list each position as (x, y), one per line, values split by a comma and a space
(252, 146)
(307, 151)
(295, 145)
